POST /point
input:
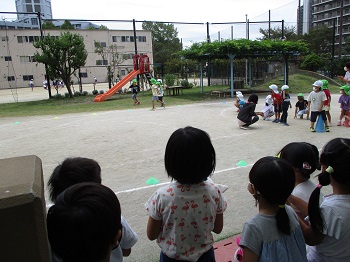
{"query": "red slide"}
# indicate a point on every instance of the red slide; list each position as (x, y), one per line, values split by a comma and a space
(118, 86)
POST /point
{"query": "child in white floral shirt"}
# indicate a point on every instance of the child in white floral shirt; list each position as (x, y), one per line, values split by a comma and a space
(183, 214)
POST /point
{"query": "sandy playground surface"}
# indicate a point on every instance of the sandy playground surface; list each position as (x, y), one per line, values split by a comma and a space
(129, 145)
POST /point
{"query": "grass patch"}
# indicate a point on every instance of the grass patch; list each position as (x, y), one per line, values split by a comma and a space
(297, 82)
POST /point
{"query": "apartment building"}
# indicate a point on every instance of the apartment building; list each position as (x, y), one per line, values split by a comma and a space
(331, 13)
(18, 65)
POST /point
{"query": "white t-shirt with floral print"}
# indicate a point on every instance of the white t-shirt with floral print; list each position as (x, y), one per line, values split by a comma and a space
(188, 214)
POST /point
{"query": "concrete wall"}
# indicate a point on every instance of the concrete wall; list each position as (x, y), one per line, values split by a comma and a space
(23, 235)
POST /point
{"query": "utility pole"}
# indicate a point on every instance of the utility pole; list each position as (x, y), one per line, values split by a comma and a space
(341, 29)
(247, 37)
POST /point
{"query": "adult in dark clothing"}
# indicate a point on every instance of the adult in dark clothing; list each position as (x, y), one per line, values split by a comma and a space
(247, 115)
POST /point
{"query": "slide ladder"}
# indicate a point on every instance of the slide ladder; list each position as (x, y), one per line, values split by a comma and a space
(118, 86)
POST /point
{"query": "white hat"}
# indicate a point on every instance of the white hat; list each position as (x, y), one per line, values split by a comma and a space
(318, 83)
(160, 80)
(240, 96)
(274, 88)
(284, 87)
(269, 99)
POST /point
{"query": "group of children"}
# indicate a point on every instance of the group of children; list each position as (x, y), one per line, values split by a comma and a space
(317, 105)
(156, 88)
(85, 222)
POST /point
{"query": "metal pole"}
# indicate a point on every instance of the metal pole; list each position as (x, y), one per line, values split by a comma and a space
(231, 32)
(232, 82)
(201, 75)
(208, 67)
(269, 24)
(47, 77)
(246, 60)
(282, 29)
(135, 45)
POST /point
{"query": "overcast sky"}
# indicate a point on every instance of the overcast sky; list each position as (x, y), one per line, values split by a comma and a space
(173, 11)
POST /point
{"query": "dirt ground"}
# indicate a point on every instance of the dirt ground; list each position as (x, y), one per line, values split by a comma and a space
(129, 145)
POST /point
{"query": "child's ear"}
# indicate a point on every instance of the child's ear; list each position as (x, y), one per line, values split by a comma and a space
(117, 238)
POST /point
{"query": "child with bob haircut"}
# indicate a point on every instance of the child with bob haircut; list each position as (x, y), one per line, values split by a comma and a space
(274, 234)
(183, 214)
(329, 230)
(304, 158)
(84, 223)
(76, 170)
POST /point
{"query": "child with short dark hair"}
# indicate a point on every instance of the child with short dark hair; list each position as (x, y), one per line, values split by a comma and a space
(274, 234)
(77, 170)
(304, 158)
(329, 232)
(247, 115)
(183, 214)
(84, 223)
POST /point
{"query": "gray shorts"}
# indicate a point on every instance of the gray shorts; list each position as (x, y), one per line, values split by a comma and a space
(155, 98)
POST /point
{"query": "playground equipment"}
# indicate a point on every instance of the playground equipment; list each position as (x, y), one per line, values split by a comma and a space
(141, 66)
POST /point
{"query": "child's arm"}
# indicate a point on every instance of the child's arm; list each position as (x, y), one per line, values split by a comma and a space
(219, 223)
(312, 238)
(300, 204)
(154, 227)
(295, 111)
(249, 256)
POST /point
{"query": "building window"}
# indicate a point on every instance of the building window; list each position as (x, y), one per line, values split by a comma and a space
(103, 44)
(116, 38)
(27, 59)
(101, 62)
(29, 8)
(34, 21)
(78, 26)
(28, 77)
(122, 72)
(125, 38)
(8, 58)
(37, 8)
(83, 75)
(4, 38)
(10, 78)
(142, 39)
(19, 39)
(131, 39)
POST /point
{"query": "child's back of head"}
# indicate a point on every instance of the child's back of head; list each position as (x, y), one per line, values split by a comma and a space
(189, 156)
(273, 179)
(85, 223)
(72, 171)
(334, 158)
(302, 156)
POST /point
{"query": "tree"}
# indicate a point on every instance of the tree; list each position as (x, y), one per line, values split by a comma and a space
(312, 62)
(276, 33)
(103, 27)
(67, 25)
(319, 40)
(48, 25)
(164, 39)
(63, 55)
(111, 56)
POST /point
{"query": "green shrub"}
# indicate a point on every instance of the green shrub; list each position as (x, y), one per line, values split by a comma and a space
(170, 79)
(66, 95)
(57, 96)
(77, 93)
(94, 92)
(102, 92)
(85, 93)
(186, 84)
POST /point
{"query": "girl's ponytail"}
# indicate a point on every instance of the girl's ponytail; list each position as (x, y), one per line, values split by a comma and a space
(315, 216)
(282, 220)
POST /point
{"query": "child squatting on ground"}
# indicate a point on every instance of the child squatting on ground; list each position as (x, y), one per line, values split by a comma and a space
(301, 108)
(183, 214)
(316, 101)
(267, 109)
(328, 233)
(77, 170)
(247, 115)
(84, 223)
(274, 234)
